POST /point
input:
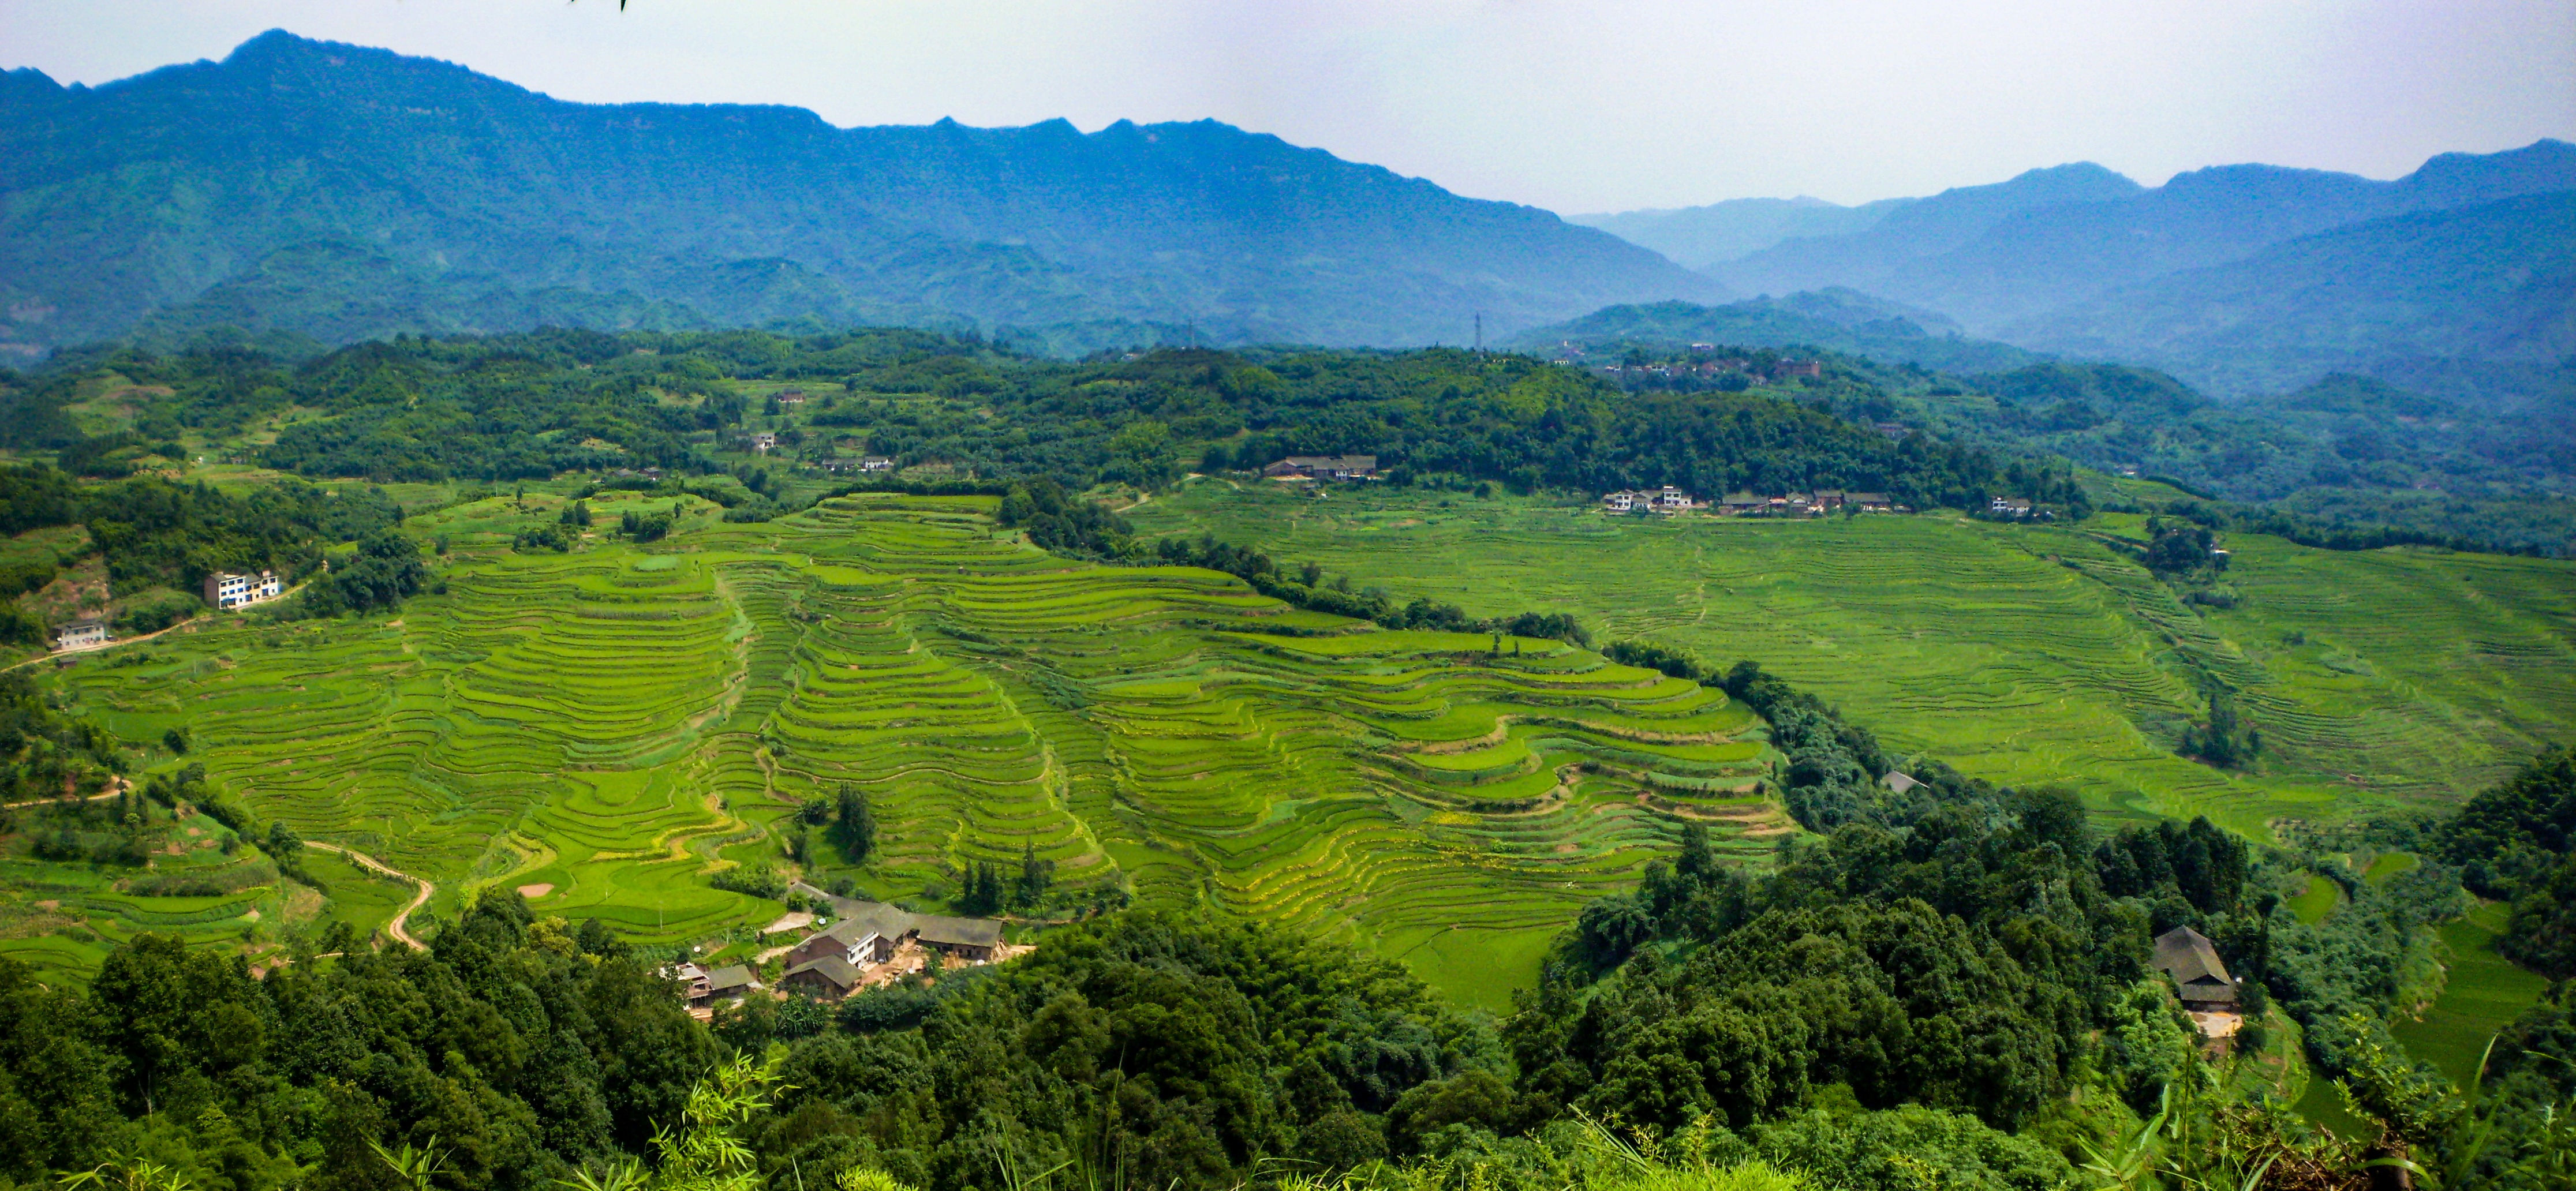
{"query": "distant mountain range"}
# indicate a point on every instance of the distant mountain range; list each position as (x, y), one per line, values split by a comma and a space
(2240, 279)
(2493, 283)
(338, 192)
(309, 193)
(1707, 237)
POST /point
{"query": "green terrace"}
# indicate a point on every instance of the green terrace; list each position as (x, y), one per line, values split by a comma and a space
(2023, 654)
(608, 729)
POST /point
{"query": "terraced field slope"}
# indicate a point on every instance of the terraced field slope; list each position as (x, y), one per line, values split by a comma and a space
(2021, 654)
(620, 722)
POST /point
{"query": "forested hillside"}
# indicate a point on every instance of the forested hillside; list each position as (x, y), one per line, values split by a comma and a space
(2451, 460)
(1837, 320)
(335, 192)
(534, 406)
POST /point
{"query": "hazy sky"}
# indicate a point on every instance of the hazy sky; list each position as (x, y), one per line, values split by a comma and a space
(1574, 106)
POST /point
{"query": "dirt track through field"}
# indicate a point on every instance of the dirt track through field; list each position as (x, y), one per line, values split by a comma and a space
(116, 787)
(200, 618)
(400, 927)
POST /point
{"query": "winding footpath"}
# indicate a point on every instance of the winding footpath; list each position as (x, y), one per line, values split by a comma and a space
(400, 927)
(200, 618)
(116, 787)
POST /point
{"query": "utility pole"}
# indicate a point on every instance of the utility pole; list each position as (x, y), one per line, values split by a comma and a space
(1480, 332)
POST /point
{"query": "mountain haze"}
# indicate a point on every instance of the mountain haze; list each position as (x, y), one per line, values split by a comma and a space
(1706, 237)
(1914, 229)
(2494, 282)
(337, 191)
(2238, 278)
(2049, 256)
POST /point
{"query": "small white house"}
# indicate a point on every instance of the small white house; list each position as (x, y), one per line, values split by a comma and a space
(1669, 499)
(1619, 502)
(875, 463)
(82, 634)
(226, 590)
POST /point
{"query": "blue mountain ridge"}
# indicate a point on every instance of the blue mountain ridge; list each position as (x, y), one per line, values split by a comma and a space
(297, 182)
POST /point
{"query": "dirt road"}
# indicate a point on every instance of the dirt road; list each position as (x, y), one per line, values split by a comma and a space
(400, 927)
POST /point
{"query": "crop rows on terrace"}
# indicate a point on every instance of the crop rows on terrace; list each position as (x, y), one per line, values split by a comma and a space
(1007, 702)
(609, 729)
(2022, 654)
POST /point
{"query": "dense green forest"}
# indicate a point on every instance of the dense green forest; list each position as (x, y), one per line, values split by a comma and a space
(2517, 843)
(1961, 999)
(534, 405)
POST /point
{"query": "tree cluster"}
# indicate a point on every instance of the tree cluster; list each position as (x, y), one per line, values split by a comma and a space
(1305, 588)
(854, 824)
(526, 1049)
(1058, 522)
(2224, 739)
(539, 404)
(2516, 842)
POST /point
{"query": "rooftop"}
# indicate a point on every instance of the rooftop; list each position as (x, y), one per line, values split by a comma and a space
(830, 967)
(958, 932)
(2192, 961)
(859, 919)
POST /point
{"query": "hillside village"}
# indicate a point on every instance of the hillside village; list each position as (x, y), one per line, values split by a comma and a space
(860, 945)
(1671, 500)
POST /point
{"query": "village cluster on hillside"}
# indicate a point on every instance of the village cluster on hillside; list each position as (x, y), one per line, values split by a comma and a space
(864, 944)
(1706, 360)
(1750, 504)
(225, 591)
(1346, 468)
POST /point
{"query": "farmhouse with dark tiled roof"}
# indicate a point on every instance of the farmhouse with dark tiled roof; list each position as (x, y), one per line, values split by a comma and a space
(2192, 962)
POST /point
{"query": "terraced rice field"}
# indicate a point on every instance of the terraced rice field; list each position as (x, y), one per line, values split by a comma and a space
(2022, 654)
(622, 722)
(2482, 993)
(61, 919)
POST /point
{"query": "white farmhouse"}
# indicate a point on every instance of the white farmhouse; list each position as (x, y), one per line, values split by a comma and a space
(233, 589)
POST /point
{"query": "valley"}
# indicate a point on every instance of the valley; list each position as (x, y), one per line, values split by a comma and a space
(1055, 598)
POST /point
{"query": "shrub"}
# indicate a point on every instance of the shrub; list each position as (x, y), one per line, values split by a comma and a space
(543, 537)
(756, 880)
